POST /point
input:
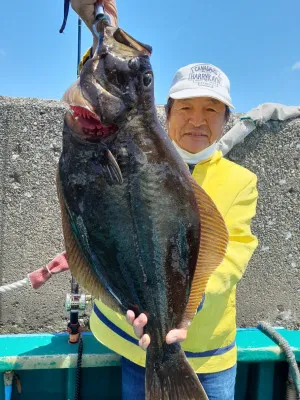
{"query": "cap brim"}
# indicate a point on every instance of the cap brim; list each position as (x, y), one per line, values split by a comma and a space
(191, 93)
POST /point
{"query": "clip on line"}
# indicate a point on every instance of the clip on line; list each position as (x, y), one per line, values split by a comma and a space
(102, 19)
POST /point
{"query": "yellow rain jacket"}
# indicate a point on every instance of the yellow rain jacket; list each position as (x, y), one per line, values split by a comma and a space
(210, 344)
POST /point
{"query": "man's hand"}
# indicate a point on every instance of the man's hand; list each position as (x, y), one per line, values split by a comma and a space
(86, 10)
(175, 335)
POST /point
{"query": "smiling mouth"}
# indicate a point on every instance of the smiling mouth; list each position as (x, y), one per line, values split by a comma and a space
(90, 123)
(196, 135)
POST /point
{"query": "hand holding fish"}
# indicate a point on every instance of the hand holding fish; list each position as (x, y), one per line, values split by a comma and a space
(175, 335)
(86, 10)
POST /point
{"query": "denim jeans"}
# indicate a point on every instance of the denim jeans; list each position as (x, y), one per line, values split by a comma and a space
(218, 385)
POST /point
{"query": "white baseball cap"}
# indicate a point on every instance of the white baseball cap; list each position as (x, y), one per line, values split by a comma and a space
(201, 80)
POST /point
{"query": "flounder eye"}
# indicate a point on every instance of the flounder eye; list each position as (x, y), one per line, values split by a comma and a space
(134, 64)
(147, 79)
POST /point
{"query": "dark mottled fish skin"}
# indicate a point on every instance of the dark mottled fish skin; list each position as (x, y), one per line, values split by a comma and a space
(139, 233)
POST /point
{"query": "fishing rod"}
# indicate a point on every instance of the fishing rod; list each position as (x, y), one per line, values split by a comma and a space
(74, 301)
(79, 25)
(78, 44)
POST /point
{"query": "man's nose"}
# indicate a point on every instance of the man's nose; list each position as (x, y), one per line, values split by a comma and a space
(197, 119)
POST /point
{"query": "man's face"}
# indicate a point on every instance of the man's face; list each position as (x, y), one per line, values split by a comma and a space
(196, 123)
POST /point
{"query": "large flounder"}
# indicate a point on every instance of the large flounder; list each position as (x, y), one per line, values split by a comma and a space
(139, 232)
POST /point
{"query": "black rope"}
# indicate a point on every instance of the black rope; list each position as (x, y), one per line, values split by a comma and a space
(66, 13)
(78, 370)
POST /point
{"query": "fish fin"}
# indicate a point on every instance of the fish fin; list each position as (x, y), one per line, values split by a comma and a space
(123, 37)
(111, 169)
(169, 376)
(213, 245)
(77, 263)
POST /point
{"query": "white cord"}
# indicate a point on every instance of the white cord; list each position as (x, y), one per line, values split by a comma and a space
(47, 268)
(15, 285)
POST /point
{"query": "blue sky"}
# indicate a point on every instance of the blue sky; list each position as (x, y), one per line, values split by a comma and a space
(256, 44)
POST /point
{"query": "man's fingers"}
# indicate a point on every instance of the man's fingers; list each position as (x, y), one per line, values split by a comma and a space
(144, 341)
(138, 325)
(130, 316)
(111, 9)
(176, 335)
(86, 10)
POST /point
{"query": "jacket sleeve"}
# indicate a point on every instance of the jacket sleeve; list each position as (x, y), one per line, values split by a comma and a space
(242, 242)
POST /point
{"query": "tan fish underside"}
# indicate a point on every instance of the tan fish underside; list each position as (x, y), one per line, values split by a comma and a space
(213, 245)
(78, 266)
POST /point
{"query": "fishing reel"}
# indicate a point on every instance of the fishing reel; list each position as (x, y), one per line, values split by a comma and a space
(77, 302)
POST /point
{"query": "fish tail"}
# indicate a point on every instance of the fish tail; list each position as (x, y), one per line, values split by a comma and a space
(169, 376)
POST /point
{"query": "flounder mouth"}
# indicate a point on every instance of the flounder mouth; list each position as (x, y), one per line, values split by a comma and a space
(90, 122)
(82, 117)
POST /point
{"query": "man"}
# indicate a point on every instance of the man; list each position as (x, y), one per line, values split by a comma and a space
(198, 107)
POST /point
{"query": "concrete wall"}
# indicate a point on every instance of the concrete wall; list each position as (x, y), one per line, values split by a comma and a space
(270, 289)
(30, 232)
